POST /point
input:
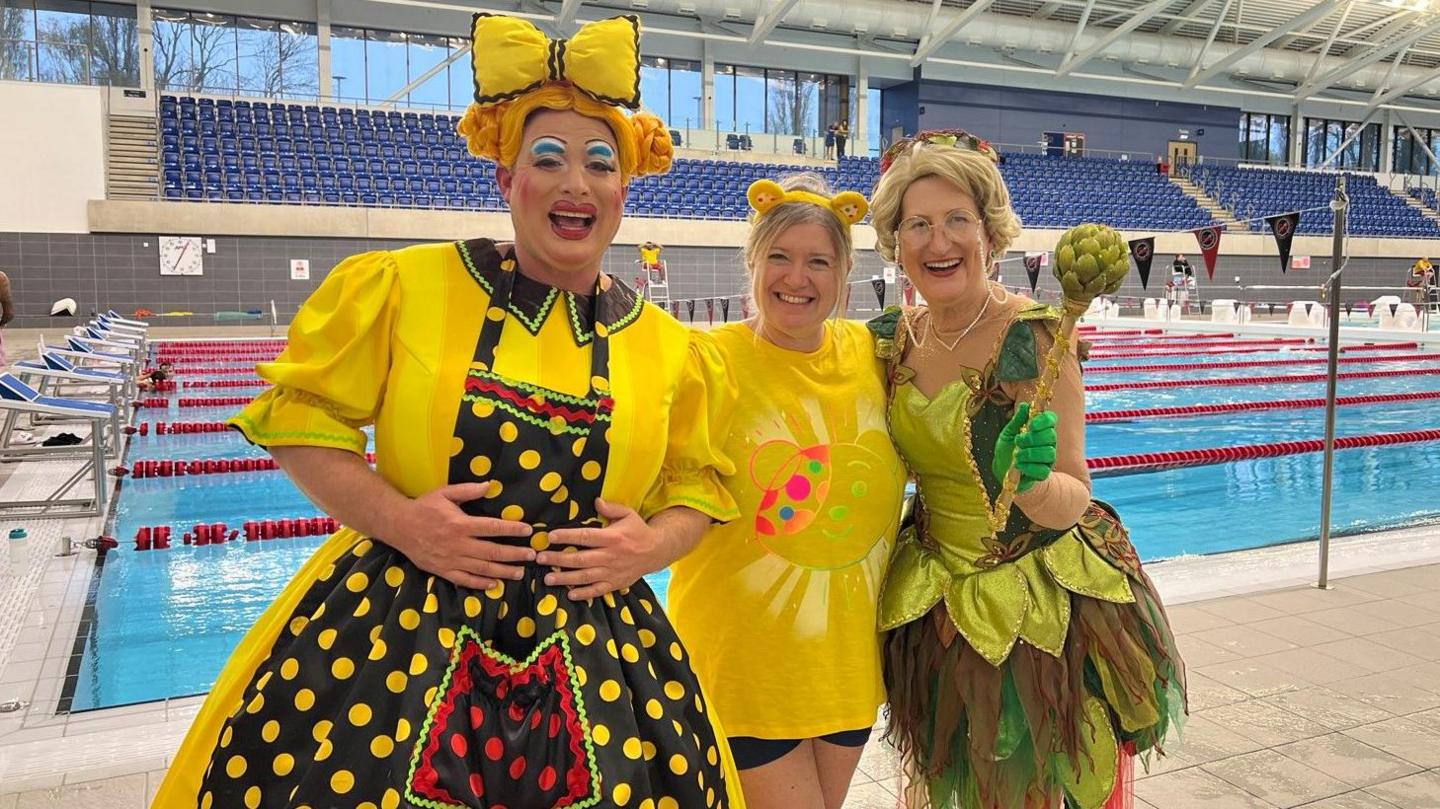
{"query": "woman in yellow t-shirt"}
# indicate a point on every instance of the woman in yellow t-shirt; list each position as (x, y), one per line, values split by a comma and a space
(778, 607)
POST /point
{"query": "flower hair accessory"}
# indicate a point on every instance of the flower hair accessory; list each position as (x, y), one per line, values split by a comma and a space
(954, 138)
(847, 206)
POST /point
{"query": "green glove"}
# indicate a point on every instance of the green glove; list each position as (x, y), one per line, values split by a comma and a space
(1032, 453)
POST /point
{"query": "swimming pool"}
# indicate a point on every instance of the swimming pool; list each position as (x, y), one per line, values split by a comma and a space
(161, 623)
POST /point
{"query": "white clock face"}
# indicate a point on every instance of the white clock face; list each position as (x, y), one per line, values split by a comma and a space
(181, 255)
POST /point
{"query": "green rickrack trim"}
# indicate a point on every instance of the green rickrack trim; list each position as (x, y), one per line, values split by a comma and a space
(530, 418)
(583, 337)
(706, 506)
(531, 324)
(532, 388)
(254, 429)
(467, 633)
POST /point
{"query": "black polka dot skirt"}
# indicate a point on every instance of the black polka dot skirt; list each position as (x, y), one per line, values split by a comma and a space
(394, 688)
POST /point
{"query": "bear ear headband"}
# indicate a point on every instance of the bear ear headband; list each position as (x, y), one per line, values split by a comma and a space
(847, 206)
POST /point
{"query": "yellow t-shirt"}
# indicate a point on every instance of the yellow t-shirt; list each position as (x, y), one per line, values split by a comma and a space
(650, 256)
(778, 607)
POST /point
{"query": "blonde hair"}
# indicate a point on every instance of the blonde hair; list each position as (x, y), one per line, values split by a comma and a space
(766, 227)
(496, 131)
(972, 171)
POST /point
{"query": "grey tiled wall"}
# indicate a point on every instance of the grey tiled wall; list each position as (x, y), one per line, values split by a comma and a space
(122, 272)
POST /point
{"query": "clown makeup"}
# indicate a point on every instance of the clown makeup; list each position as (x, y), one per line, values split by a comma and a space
(600, 156)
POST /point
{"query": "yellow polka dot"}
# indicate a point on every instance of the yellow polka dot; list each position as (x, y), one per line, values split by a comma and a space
(495, 313)
(252, 798)
(674, 690)
(504, 611)
(512, 512)
(375, 633)
(632, 748)
(675, 650)
(342, 782)
(626, 616)
(227, 736)
(540, 540)
(456, 445)
(235, 767)
(649, 609)
(483, 409)
(363, 608)
(270, 730)
(654, 709)
(472, 606)
(324, 750)
(304, 699)
(600, 383)
(418, 664)
(409, 619)
(525, 627)
(431, 605)
(396, 682)
(207, 801)
(366, 805)
(581, 676)
(264, 680)
(447, 637)
(381, 747)
(556, 424)
(560, 495)
(590, 470)
(327, 572)
(529, 459)
(547, 604)
(649, 749)
(600, 734)
(283, 764)
(609, 691)
(679, 766)
(327, 638)
(357, 582)
(430, 695)
(610, 647)
(621, 795)
(360, 714)
(561, 617)
(342, 668)
(289, 669)
(551, 481)
(509, 432)
(390, 800)
(578, 447)
(480, 466)
(679, 731)
(630, 653)
(321, 731)
(496, 487)
(402, 730)
(585, 634)
(256, 703)
(362, 547)
(377, 649)
(297, 624)
(647, 638)
(609, 599)
(711, 756)
(574, 509)
(699, 704)
(495, 591)
(394, 576)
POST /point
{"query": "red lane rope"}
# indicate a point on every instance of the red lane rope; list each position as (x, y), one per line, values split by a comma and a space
(157, 537)
(1240, 381)
(166, 468)
(1123, 355)
(1101, 339)
(252, 382)
(184, 427)
(1151, 461)
(214, 401)
(1103, 416)
(1203, 366)
(1215, 344)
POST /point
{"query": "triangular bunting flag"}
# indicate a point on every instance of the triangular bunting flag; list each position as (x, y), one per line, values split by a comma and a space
(1209, 239)
(1143, 251)
(710, 310)
(1032, 270)
(1283, 227)
(725, 309)
(690, 309)
(878, 284)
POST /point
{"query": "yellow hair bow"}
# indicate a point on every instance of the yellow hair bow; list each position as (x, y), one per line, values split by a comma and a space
(511, 57)
(848, 206)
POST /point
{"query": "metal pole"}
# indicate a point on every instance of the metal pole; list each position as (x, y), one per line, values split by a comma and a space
(1337, 256)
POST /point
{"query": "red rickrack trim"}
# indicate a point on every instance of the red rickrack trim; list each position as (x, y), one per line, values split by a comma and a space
(1102, 416)
(546, 409)
(1240, 381)
(1202, 457)
(1203, 366)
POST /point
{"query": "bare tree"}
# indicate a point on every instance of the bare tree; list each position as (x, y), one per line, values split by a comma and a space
(790, 107)
(14, 49)
(63, 53)
(114, 50)
(193, 56)
(283, 65)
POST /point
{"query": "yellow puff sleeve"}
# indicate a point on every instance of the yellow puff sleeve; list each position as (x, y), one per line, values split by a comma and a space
(700, 414)
(330, 379)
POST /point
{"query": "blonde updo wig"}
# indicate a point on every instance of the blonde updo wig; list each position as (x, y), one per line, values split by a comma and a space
(972, 171)
(495, 131)
(766, 227)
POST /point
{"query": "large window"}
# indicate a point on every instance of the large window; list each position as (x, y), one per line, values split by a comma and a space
(69, 42)
(219, 53)
(1324, 138)
(369, 66)
(1264, 138)
(1410, 156)
(785, 102)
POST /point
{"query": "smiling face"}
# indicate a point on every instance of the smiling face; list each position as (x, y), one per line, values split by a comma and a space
(941, 241)
(797, 285)
(566, 197)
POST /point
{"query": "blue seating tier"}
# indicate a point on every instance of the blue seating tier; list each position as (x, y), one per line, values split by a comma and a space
(1374, 210)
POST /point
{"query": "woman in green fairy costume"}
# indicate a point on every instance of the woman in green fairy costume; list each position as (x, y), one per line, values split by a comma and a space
(1028, 666)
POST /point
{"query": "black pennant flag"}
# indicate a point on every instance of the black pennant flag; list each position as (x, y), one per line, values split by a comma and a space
(690, 309)
(878, 284)
(675, 309)
(725, 309)
(1283, 226)
(1143, 251)
(710, 310)
(1032, 270)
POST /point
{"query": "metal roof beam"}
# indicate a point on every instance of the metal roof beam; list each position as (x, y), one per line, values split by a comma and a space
(1209, 40)
(1325, 51)
(1310, 15)
(1075, 38)
(568, 8)
(1195, 7)
(1142, 15)
(766, 22)
(1380, 51)
(930, 42)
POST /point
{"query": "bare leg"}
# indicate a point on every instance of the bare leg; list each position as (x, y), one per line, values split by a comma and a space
(788, 782)
(834, 769)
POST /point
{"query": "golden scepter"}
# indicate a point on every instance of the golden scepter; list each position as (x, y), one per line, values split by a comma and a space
(1090, 260)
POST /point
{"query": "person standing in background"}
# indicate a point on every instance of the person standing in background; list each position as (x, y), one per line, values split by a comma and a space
(7, 311)
(842, 133)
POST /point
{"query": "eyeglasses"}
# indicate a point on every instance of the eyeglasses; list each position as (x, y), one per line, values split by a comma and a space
(917, 231)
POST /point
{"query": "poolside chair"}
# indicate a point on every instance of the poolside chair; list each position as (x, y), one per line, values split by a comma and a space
(57, 377)
(83, 354)
(70, 497)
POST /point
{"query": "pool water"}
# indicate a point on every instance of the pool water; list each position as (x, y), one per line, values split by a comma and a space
(164, 622)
